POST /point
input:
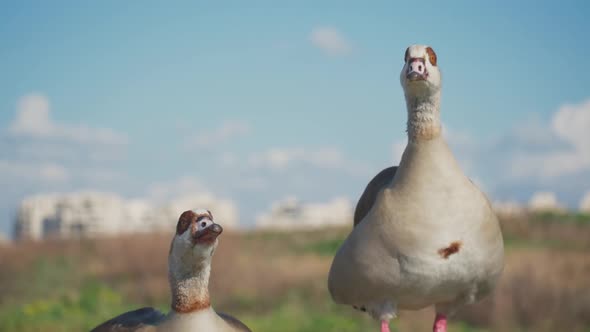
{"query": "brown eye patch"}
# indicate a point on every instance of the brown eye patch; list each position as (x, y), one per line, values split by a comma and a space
(431, 55)
(185, 220)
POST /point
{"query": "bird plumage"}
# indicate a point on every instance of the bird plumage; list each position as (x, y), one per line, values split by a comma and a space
(189, 266)
(423, 233)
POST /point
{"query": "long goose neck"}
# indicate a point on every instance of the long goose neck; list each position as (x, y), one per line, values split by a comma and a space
(423, 116)
(190, 290)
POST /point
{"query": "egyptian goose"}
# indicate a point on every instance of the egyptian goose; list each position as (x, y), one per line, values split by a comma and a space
(423, 233)
(189, 266)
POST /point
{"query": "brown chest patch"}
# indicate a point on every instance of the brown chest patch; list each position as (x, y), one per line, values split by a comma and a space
(186, 307)
(453, 248)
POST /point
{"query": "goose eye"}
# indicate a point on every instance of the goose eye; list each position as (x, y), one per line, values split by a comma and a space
(431, 56)
(204, 224)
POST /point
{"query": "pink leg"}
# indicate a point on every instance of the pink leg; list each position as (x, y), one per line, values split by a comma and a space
(440, 323)
(384, 326)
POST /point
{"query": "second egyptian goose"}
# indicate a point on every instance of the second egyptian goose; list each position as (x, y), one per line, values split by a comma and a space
(189, 266)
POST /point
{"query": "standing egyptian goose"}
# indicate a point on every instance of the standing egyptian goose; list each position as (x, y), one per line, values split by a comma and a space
(189, 266)
(423, 233)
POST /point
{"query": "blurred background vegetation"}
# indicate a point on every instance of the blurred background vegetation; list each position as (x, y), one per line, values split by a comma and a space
(277, 281)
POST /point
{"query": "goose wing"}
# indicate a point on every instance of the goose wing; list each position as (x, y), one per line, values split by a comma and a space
(369, 196)
(140, 320)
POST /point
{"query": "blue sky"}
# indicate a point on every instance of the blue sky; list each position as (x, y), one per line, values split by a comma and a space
(255, 101)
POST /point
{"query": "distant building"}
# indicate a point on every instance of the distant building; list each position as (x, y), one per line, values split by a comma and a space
(32, 213)
(85, 214)
(585, 203)
(292, 214)
(4, 240)
(545, 201)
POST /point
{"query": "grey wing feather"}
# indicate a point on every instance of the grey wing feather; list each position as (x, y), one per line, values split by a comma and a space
(369, 196)
(144, 319)
(234, 322)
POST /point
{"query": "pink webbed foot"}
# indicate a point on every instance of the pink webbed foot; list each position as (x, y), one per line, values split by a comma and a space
(440, 323)
(384, 326)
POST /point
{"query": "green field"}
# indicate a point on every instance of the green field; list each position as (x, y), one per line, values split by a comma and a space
(277, 282)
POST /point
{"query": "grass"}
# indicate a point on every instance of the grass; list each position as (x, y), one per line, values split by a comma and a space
(68, 312)
(294, 314)
(563, 217)
(326, 247)
(276, 281)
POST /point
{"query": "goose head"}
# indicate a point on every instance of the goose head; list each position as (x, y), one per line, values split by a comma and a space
(194, 243)
(420, 75)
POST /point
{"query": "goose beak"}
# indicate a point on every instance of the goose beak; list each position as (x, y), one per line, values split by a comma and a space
(209, 234)
(416, 70)
(414, 76)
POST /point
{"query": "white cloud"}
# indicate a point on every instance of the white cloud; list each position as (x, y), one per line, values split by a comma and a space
(32, 116)
(279, 159)
(210, 138)
(253, 183)
(43, 151)
(569, 126)
(38, 151)
(48, 172)
(227, 159)
(330, 41)
(571, 123)
(33, 119)
(53, 173)
(99, 175)
(186, 185)
(546, 165)
(534, 132)
(456, 137)
(44, 172)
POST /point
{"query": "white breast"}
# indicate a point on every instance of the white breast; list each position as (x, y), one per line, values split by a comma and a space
(202, 320)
